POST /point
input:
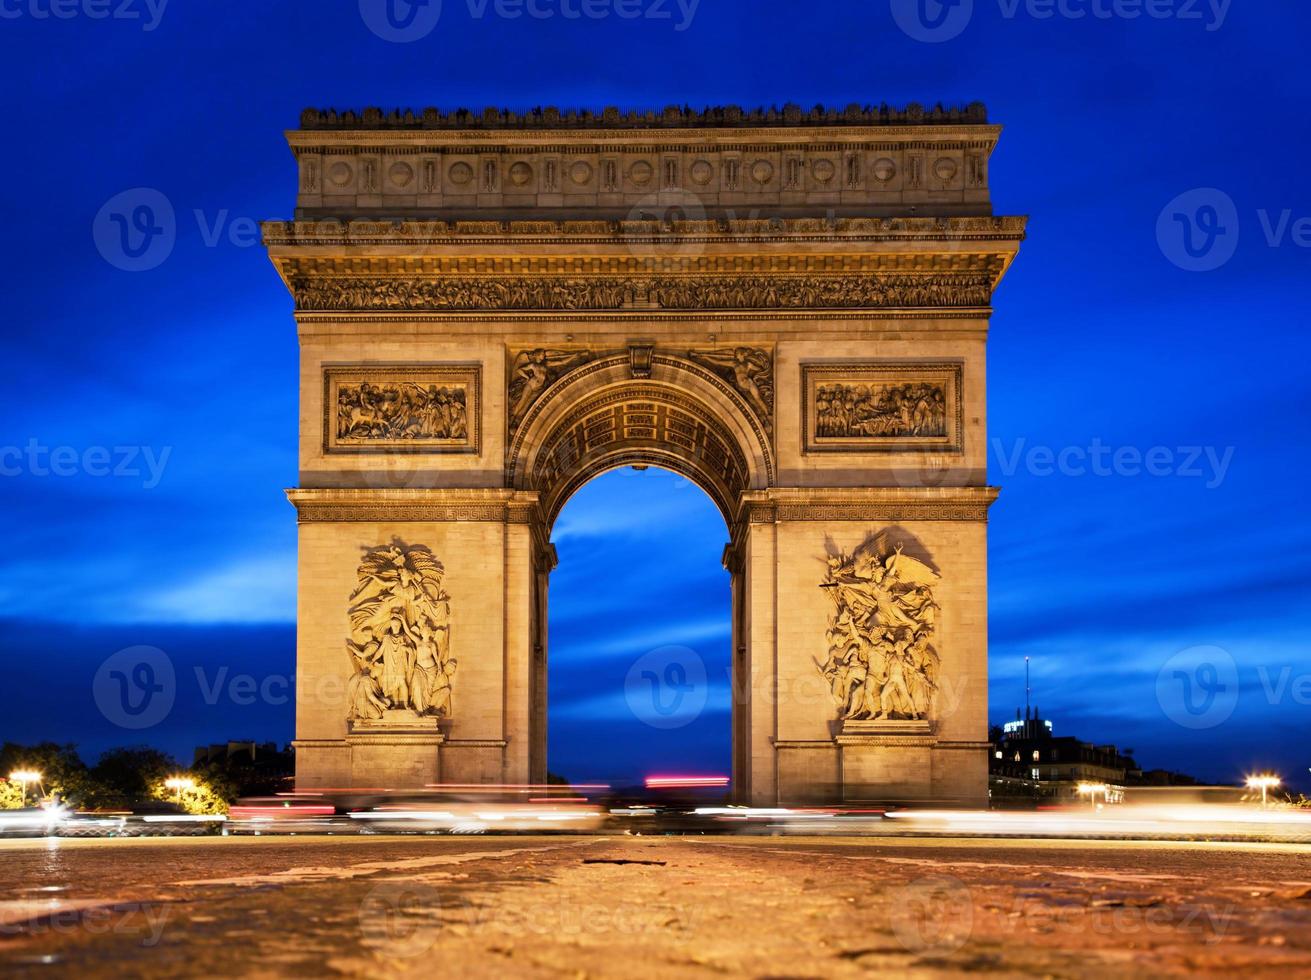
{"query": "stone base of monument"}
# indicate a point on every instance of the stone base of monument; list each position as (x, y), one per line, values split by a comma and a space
(395, 720)
(886, 761)
(398, 750)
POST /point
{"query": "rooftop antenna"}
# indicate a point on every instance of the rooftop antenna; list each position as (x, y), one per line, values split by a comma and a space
(1026, 687)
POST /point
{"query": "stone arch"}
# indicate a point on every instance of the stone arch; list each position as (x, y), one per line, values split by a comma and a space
(671, 413)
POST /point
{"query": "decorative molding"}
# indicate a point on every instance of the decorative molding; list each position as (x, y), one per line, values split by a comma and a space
(414, 505)
(402, 408)
(919, 406)
(639, 361)
(877, 505)
(900, 741)
(375, 231)
(665, 293)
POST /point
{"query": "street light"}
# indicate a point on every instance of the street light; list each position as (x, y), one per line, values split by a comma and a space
(1091, 790)
(178, 784)
(1264, 783)
(25, 776)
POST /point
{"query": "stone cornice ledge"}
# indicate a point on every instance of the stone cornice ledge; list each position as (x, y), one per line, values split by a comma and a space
(867, 504)
(414, 505)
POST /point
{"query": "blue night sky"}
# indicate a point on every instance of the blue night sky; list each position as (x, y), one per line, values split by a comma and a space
(1099, 340)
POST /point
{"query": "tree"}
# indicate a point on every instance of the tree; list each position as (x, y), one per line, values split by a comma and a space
(11, 795)
(201, 798)
(125, 776)
(62, 770)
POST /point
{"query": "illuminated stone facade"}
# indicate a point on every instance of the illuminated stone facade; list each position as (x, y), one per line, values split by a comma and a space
(788, 307)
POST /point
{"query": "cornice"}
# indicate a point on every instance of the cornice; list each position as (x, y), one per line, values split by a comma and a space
(427, 505)
(970, 314)
(1008, 229)
(882, 504)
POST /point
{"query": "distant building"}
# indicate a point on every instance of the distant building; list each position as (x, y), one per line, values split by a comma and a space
(1030, 761)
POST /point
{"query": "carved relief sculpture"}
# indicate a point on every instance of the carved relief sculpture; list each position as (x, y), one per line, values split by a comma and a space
(532, 372)
(682, 293)
(401, 409)
(881, 662)
(882, 407)
(400, 636)
(910, 409)
(750, 370)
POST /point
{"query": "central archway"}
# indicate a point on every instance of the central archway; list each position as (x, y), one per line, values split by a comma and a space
(637, 407)
(639, 632)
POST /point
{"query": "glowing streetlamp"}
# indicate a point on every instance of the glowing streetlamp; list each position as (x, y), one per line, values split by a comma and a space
(1264, 783)
(179, 783)
(25, 776)
(1091, 790)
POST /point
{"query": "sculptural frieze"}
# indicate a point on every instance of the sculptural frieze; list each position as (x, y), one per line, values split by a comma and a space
(455, 294)
(400, 636)
(401, 409)
(882, 407)
(911, 409)
(881, 663)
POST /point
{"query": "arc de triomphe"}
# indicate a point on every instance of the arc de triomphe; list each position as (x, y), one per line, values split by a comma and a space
(788, 307)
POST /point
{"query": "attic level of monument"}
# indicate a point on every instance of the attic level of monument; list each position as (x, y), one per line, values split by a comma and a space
(718, 164)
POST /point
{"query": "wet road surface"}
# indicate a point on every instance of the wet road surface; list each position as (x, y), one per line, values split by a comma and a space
(650, 906)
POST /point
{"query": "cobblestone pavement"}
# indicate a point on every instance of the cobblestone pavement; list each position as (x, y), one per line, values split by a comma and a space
(650, 907)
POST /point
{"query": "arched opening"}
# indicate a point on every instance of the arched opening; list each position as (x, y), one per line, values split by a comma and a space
(661, 412)
(640, 631)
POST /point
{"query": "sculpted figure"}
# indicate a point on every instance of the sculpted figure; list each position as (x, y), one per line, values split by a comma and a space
(881, 663)
(533, 371)
(750, 370)
(400, 635)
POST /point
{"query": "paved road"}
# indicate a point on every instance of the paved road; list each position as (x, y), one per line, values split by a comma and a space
(659, 907)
